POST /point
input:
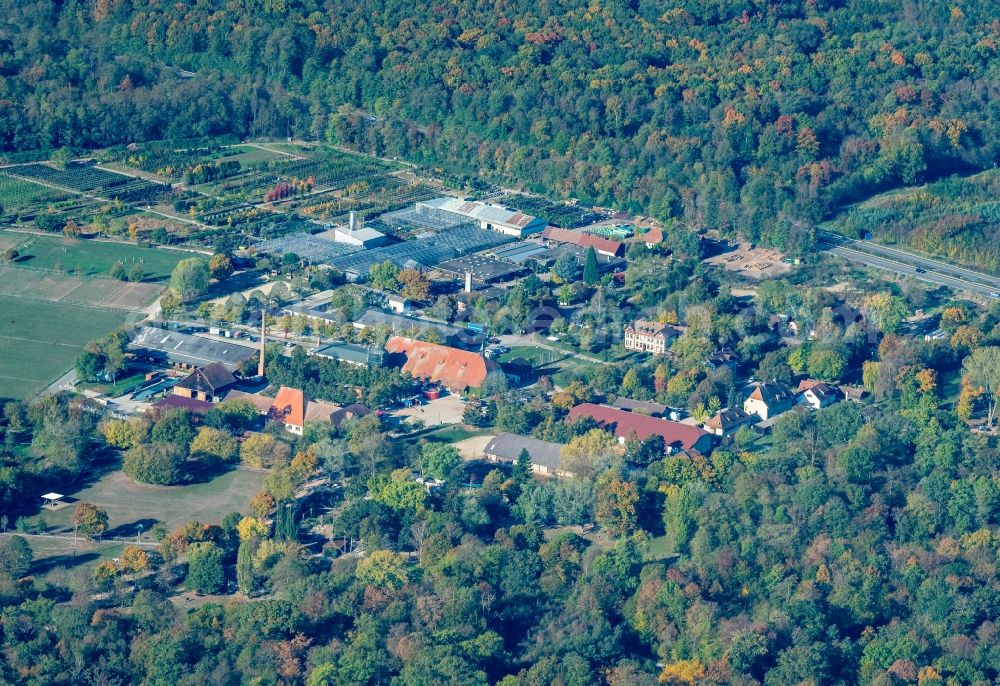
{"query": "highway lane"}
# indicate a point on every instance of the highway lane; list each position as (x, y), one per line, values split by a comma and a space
(930, 275)
(903, 257)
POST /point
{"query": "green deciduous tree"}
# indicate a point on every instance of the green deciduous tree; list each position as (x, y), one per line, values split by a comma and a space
(89, 520)
(384, 276)
(215, 443)
(264, 450)
(205, 570)
(616, 504)
(587, 455)
(441, 461)
(383, 569)
(398, 492)
(170, 302)
(190, 278)
(220, 267)
(175, 427)
(826, 364)
(982, 371)
(15, 556)
(155, 463)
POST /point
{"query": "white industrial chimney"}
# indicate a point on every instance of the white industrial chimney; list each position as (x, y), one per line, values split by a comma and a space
(468, 282)
(352, 222)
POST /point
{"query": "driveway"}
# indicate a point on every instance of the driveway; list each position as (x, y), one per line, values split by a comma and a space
(472, 448)
(446, 410)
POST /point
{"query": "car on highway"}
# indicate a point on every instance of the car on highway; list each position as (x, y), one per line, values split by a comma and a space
(995, 294)
(919, 270)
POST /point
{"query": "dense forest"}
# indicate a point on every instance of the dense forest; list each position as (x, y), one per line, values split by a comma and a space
(680, 111)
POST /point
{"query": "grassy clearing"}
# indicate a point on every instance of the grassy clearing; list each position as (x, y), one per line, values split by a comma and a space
(569, 368)
(41, 340)
(35, 284)
(560, 366)
(249, 156)
(93, 258)
(454, 434)
(127, 384)
(535, 355)
(660, 548)
(49, 553)
(129, 504)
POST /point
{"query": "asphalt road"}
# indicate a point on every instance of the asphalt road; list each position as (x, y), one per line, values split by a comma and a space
(905, 263)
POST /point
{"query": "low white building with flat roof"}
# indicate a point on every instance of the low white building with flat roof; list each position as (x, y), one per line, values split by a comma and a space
(491, 217)
(360, 237)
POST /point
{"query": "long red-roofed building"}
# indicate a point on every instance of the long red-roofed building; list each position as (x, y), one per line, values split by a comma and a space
(625, 425)
(456, 370)
(601, 245)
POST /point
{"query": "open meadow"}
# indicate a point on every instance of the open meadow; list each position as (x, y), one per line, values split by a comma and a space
(130, 504)
(40, 340)
(91, 258)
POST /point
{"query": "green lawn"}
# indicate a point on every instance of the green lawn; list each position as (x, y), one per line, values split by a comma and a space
(660, 548)
(453, 434)
(9, 240)
(41, 340)
(129, 504)
(92, 258)
(535, 355)
(568, 368)
(560, 366)
(49, 553)
(249, 156)
(133, 379)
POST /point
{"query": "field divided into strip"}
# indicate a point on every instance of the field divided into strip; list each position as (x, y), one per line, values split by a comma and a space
(40, 340)
(55, 298)
(33, 284)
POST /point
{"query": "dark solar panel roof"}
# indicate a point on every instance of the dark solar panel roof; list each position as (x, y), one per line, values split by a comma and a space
(311, 248)
(428, 251)
(187, 349)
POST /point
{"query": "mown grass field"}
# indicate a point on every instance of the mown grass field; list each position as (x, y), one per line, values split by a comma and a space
(560, 366)
(49, 553)
(248, 156)
(39, 341)
(91, 258)
(129, 504)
